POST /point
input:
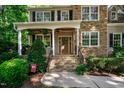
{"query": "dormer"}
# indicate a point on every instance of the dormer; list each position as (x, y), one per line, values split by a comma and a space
(116, 14)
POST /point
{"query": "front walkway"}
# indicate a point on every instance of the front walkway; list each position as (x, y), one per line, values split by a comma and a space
(70, 79)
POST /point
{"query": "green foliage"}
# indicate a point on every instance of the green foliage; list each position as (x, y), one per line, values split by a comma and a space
(118, 51)
(81, 69)
(13, 72)
(92, 63)
(108, 64)
(8, 55)
(11, 14)
(37, 54)
(7, 50)
(120, 69)
(113, 63)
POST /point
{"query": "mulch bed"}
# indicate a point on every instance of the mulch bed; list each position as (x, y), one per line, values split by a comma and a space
(33, 81)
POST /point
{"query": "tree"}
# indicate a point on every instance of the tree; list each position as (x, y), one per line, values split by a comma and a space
(11, 14)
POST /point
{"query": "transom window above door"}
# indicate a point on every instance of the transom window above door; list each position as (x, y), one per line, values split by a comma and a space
(43, 16)
(90, 13)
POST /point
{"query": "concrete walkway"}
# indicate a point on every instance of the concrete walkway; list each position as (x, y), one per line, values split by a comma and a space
(70, 79)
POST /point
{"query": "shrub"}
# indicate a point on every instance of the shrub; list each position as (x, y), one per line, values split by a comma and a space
(108, 64)
(8, 55)
(120, 69)
(37, 54)
(80, 69)
(7, 50)
(13, 72)
(113, 63)
(92, 63)
(118, 51)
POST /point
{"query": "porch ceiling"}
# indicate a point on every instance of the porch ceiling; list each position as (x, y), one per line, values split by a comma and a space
(47, 25)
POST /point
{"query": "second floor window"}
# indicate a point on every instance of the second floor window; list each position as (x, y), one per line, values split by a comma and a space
(47, 16)
(43, 16)
(64, 15)
(89, 13)
(39, 16)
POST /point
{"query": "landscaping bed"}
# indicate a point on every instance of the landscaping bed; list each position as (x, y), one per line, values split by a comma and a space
(104, 65)
(33, 81)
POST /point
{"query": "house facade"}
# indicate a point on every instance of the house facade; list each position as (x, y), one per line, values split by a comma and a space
(93, 29)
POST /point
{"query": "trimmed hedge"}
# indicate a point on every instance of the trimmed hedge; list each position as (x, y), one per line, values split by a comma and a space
(13, 73)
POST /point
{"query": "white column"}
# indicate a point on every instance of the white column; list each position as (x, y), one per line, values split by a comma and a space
(19, 43)
(53, 41)
(77, 39)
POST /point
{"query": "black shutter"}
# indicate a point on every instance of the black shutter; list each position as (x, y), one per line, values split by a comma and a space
(52, 15)
(70, 15)
(122, 39)
(58, 15)
(33, 38)
(111, 39)
(33, 16)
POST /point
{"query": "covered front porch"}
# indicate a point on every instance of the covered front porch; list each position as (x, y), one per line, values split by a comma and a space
(62, 38)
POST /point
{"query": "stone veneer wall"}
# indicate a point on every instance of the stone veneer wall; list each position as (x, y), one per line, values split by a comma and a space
(100, 26)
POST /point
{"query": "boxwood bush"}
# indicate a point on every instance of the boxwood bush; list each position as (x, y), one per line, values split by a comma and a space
(81, 69)
(13, 73)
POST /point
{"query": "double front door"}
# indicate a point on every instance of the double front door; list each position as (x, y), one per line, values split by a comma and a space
(65, 45)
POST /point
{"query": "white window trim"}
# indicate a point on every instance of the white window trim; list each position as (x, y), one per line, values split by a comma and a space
(90, 39)
(120, 39)
(90, 12)
(39, 35)
(68, 14)
(116, 18)
(43, 16)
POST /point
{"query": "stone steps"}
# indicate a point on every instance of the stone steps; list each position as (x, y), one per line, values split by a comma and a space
(63, 63)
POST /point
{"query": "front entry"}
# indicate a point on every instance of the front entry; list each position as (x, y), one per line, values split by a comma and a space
(65, 45)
